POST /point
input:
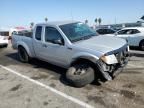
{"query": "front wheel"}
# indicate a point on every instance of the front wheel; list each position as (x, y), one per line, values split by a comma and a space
(23, 56)
(80, 75)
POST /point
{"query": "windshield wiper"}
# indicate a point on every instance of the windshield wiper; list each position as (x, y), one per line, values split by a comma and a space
(83, 38)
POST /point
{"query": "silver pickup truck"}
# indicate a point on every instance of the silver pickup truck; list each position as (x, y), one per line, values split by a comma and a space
(75, 46)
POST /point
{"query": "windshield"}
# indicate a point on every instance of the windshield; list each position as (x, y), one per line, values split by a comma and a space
(77, 31)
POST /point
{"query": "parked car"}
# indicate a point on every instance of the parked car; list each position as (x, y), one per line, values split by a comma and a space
(7, 32)
(103, 31)
(3, 41)
(133, 35)
(75, 46)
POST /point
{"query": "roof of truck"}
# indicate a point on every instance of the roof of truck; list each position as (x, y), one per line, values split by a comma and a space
(57, 23)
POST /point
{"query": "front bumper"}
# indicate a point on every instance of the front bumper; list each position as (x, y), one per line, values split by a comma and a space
(112, 70)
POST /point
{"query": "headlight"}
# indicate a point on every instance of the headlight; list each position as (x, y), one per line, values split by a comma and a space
(110, 59)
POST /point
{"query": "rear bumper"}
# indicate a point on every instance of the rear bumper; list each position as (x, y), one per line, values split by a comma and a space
(3, 45)
(111, 71)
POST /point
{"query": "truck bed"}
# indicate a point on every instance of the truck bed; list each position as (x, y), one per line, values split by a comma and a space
(26, 33)
(22, 37)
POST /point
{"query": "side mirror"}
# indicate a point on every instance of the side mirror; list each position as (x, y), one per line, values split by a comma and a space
(58, 41)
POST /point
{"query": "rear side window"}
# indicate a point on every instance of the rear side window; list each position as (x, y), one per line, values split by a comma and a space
(38, 32)
(122, 32)
(129, 31)
(135, 31)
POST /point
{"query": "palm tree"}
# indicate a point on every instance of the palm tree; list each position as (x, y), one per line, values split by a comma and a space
(96, 20)
(31, 24)
(142, 17)
(46, 19)
(99, 21)
(86, 21)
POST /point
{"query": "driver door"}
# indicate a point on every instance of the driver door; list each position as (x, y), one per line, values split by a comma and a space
(54, 52)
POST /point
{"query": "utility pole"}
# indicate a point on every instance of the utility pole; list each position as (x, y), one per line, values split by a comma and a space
(115, 21)
(72, 15)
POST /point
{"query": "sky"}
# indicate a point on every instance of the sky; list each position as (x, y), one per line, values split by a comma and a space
(23, 12)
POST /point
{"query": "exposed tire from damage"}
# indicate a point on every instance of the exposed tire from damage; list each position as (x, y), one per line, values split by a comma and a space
(23, 56)
(80, 75)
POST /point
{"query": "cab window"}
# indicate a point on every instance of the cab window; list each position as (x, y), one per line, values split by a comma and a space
(38, 33)
(52, 34)
(135, 31)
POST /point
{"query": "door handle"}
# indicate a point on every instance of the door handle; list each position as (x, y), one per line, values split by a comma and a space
(44, 45)
(69, 48)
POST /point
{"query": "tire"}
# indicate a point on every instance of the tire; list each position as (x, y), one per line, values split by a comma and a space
(6, 46)
(23, 56)
(82, 79)
(142, 45)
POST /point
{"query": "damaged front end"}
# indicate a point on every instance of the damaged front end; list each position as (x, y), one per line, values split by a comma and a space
(116, 61)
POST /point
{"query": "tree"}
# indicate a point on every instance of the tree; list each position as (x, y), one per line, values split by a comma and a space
(31, 24)
(96, 20)
(99, 21)
(86, 21)
(46, 19)
(142, 17)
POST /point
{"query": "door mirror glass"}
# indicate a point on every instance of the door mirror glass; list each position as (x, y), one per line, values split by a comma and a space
(116, 34)
(58, 41)
(52, 35)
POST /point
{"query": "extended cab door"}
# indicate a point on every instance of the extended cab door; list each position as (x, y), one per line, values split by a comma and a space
(38, 41)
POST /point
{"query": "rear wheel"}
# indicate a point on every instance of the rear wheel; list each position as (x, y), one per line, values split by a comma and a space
(142, 45)
(6, 45)
(80, 75)
(23, 56)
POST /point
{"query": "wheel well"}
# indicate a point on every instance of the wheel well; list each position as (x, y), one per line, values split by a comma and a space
(82, 60)
(141, 42)
(20, 46)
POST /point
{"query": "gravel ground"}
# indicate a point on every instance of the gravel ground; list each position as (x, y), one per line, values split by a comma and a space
(125, 91)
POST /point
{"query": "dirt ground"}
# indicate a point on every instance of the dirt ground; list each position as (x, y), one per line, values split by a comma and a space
(125, 91)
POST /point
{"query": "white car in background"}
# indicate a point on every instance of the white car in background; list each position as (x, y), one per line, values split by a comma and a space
(3, 41)
(133, 35)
